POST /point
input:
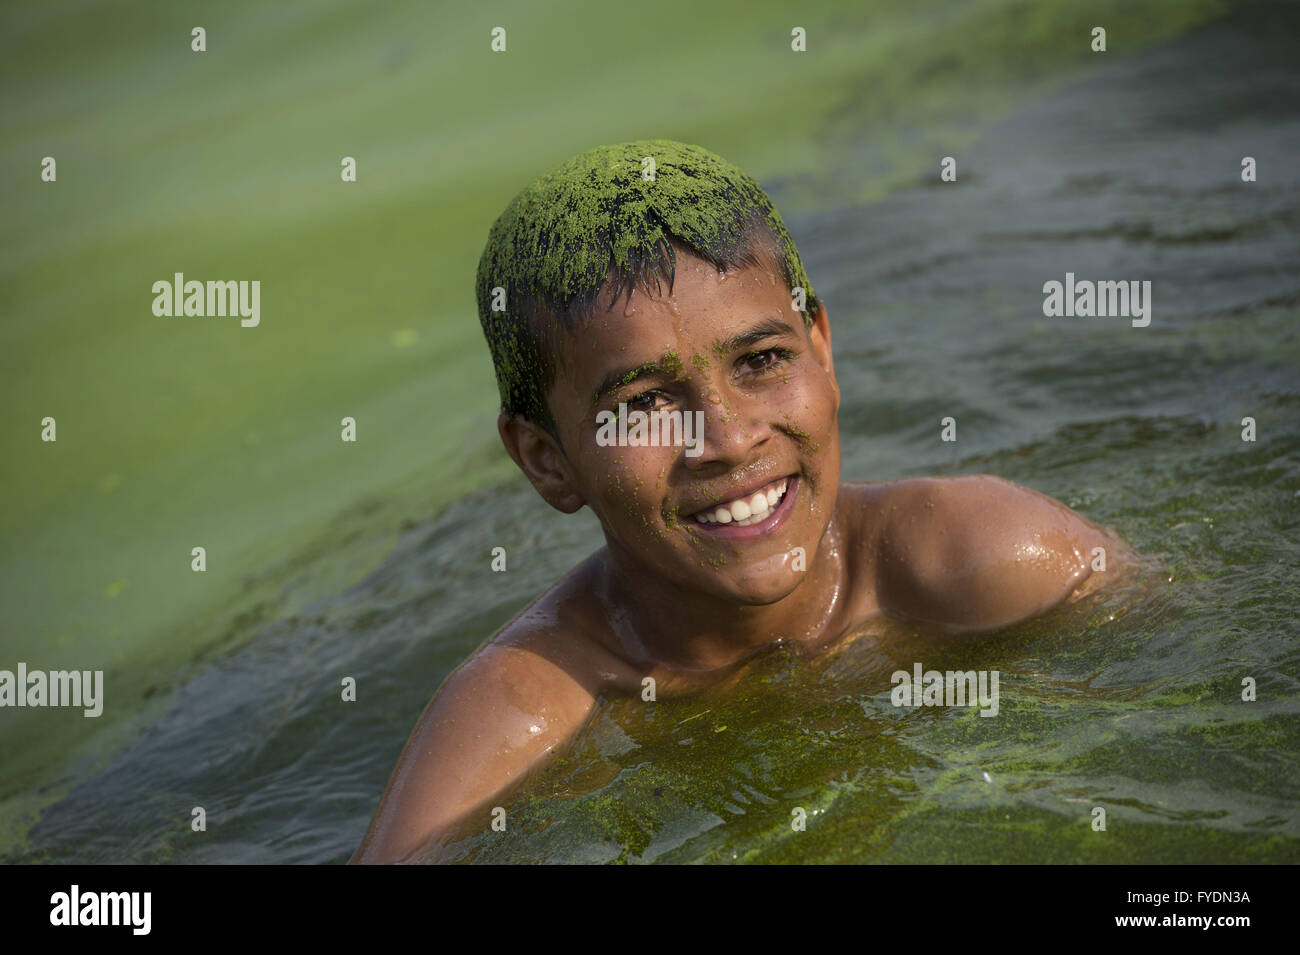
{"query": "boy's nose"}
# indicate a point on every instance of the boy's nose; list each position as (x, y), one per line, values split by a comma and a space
(732, 428)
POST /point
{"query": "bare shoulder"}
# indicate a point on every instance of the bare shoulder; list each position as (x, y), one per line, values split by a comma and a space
(978, 501)
(978, 552)
(497, 718)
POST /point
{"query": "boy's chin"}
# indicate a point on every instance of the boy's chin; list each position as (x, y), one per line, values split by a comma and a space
(756, 589)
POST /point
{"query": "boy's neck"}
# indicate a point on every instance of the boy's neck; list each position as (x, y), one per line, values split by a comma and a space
(657, 622)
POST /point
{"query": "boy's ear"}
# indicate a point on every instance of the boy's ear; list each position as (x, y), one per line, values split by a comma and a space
(540, 458)
(820, 333)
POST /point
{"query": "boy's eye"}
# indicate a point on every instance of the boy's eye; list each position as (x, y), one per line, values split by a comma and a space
(767, 359)
(646, 401)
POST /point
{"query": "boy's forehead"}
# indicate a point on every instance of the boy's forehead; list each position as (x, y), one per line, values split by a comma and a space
(704, 306)
(706, 313)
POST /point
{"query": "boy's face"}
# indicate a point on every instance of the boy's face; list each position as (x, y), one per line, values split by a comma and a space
(732, 347)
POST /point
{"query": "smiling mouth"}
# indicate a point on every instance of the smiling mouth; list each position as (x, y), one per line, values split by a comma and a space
(747, 510)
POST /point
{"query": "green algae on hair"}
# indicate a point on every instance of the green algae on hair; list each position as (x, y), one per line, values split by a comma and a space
(597, 221)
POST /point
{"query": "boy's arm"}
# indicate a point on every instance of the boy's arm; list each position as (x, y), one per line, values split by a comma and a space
(493, 720)
(979, 552)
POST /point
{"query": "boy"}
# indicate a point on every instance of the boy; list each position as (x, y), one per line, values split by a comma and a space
(720, 542)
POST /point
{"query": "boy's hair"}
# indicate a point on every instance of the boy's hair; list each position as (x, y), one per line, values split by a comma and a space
(609, 218)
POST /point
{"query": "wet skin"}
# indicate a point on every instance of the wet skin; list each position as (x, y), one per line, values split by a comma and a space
(682, 602)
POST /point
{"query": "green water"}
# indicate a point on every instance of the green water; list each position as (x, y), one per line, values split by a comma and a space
(370, 560)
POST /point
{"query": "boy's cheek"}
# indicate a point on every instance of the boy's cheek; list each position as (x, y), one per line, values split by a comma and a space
(812, 410)
(816, 386)
(629, 482)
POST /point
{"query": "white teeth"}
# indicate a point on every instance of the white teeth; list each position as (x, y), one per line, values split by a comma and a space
(745, 511)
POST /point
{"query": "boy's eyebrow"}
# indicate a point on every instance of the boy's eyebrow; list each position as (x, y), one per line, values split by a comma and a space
(625, 376)
(767, 327)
